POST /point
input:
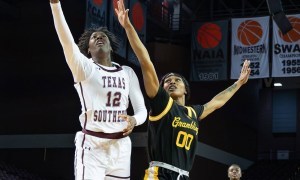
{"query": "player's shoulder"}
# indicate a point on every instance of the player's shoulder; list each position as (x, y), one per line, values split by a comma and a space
(127, 68)
(117, 65)
(198, 108)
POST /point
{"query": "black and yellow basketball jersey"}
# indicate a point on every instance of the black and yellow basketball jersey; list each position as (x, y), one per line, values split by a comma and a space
(173, 131)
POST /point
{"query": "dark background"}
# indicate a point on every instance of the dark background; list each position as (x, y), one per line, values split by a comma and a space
(37, 94)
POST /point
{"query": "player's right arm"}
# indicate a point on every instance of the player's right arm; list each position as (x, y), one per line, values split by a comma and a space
(54, 1)
(151, 82)
(220, 99)
(77, 62)
(61, 27)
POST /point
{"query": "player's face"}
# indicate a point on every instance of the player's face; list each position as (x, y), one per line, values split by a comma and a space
(99, 42)
(174, 85)
(234, 172)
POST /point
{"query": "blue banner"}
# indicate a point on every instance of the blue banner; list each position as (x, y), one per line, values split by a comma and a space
(138, 16)
(96, 13)
(117, 29)
(209, 51)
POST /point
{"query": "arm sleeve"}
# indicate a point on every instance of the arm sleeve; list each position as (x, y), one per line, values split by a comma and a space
(77, 62)
(136, 98)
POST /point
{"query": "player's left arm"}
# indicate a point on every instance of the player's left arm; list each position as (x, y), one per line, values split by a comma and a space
(137, 102)
(220, 99)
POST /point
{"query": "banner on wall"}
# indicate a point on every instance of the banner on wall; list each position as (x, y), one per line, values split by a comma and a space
(117, 29)
(209, 51)
(286, 50)
(250, 40)
(96, 13)
(138, 19)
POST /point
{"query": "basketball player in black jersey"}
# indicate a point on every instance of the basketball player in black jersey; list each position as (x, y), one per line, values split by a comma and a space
(173, 126)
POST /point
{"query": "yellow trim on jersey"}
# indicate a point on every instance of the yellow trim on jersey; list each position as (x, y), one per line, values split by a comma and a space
(151, 175)
(166, 110)
(190, 110)
(146, 174)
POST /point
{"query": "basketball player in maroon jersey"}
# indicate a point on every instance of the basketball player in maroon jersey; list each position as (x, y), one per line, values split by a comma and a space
(172, 127)
(103, 148)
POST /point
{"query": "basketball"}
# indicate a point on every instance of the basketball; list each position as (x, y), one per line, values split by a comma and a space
(209, 35)
(294, 34)
(249, 32)
(138, 16)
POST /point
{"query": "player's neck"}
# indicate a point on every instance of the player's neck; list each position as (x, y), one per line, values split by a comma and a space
(103, 61)
(180, 101)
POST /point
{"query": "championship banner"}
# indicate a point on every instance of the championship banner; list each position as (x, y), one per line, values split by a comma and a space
(116, 28)
(96, 13)
(250, 40)
(138, 18)
(286, 49)
(209, 51)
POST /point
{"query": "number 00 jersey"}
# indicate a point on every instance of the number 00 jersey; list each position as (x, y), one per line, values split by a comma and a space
(173, 131)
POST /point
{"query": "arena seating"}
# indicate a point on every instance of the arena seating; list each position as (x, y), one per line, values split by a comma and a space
(273, 170)
(10, 172)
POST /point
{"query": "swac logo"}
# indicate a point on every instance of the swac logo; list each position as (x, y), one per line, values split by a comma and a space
(98, 2)
(249, 32)
(294, 34)
(209, 35)
(138, 19)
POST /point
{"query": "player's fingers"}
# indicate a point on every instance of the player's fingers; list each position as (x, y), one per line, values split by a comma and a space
(126, 13)
(248, 71)
(245, 66)
(117, 11)
(124, 117)
(119, 5)
(127, 130)
(122, 4)
(127, 133)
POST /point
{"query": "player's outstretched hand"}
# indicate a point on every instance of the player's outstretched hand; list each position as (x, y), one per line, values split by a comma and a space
(122, 14)
(245, 72)
(131, 123)
(54, 1)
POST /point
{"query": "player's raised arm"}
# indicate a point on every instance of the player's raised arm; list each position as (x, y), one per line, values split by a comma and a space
(61, 26)
(71, 51)
(54, 1)
(220, 99)
(151, 82)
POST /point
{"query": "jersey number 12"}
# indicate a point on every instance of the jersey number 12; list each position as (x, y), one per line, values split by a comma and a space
(113, 100)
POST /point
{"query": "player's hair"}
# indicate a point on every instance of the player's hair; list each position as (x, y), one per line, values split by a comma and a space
(84, 39)
(234, 165)
(186, 84)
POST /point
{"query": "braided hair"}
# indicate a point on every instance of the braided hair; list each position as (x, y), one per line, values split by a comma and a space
(84, 39)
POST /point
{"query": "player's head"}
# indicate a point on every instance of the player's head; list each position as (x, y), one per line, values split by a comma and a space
(234, 172)
(89, 41)
(176, 85)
